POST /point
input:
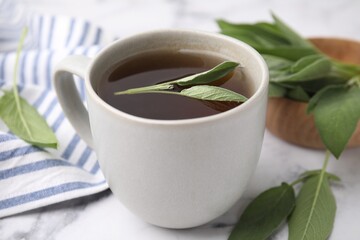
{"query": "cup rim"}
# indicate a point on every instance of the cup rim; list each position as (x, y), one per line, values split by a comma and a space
(262, 89)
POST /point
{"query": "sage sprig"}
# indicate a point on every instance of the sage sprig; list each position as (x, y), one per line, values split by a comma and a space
(196, 87)
(299, 71)
(310, 216)
(20, 117)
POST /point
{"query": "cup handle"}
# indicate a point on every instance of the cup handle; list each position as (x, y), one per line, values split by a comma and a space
(68, 94)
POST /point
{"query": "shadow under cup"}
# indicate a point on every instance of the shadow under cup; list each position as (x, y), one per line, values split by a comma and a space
(179, 173)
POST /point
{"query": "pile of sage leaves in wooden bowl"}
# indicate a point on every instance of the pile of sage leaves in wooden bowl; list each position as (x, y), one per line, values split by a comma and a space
(287, 117)
(314, 84)
(314, 101)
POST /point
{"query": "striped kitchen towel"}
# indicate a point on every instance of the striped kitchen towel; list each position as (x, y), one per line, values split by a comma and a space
(31, 177)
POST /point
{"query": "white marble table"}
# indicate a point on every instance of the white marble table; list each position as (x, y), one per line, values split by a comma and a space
(101, 216)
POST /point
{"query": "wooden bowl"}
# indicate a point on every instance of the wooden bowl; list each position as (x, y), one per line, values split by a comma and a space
(287, 119)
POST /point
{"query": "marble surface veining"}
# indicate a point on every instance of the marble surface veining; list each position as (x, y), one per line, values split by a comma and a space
(101, 216)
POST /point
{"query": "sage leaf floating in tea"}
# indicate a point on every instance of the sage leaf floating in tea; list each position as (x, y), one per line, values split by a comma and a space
(148, 89)
(213, 93)
(206, 77)
(197, 88)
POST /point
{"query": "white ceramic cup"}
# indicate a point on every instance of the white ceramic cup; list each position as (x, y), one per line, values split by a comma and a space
(171, 173)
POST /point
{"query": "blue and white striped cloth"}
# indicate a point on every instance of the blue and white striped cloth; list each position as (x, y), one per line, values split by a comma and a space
(32, 177)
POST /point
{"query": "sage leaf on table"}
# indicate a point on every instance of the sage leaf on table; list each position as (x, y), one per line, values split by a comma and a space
(314, 214)
(197, 90)
(20, 117)
(336, 111)
(265, 214)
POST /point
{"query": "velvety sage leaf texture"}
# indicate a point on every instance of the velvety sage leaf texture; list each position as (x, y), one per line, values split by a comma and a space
(292, 53)
(263, 34)
(276, 63)
(212, 93)
(304, 62)
(265, 214)
(298, 94)
(314, 214)
(31, 127)
(209, 76)
(336, 113)
(315, 99)
(306, 69)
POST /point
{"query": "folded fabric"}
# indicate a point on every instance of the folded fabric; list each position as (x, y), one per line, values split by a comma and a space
(31, 177)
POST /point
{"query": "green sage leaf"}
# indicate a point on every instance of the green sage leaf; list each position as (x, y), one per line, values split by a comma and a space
(276, 90)
(292, 53)
(355, 81)
(345, 70)
(315, 67)
(304, 62)
(263, 34)
(316, 85)
(298, 94)
(249, 38)
(147, 89)
(22, 118)
(25, 122)
(272, 28)
(313, 173)
(266, 30)
(290, 34)
(276, 63)
(315, 99)
(336, 114)
(212, 93)
(265, 214)
(314, 214)
(209, 76)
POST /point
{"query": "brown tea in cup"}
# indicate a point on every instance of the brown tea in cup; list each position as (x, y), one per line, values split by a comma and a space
(153, 67)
